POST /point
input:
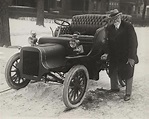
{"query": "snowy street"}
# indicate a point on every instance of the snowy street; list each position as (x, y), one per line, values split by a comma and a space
(44, 101)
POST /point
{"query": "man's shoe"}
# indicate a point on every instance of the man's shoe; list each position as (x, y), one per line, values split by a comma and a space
(95, 79)
(33, 81)
(126, 97)
(114, 90)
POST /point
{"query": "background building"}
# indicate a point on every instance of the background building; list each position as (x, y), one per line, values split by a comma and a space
(72, 7)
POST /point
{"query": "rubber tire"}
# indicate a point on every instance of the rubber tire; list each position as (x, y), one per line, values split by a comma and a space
(7, 73)
(67, 80)
(121, 82)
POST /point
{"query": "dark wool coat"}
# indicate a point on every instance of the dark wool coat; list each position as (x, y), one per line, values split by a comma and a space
(122, 45)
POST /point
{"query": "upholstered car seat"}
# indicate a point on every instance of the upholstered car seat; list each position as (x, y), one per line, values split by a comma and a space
(87, 24)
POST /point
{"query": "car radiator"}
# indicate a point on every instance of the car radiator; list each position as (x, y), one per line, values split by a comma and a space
(31, 63)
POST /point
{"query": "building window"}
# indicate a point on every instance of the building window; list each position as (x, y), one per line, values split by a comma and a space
(59, 3)
(138, 10)
(134, 8)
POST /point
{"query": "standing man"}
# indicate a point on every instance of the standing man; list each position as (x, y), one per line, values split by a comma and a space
(122, 52)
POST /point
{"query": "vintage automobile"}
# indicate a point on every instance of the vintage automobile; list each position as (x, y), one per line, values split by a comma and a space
(71, 57)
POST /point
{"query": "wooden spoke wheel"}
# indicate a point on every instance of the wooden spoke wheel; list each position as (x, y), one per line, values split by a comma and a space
(12, 73)
(75, 86)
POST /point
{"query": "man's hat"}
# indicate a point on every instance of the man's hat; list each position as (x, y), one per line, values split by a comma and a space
(114, 13)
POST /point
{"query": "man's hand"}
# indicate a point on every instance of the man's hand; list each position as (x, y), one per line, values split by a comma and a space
(104, 57)
(131, 62)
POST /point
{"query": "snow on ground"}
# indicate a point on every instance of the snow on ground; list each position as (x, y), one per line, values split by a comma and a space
(42, 101)
(23, 28)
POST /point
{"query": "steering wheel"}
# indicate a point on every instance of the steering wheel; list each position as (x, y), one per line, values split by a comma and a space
(61, 22)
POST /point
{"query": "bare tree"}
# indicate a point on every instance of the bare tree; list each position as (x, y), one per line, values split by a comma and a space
(40, 12)
(144, 9)
(4, 23)
(145, 2)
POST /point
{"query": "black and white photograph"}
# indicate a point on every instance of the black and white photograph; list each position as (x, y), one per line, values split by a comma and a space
(74, 59)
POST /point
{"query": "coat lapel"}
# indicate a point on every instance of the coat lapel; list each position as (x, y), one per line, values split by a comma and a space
(118, 31)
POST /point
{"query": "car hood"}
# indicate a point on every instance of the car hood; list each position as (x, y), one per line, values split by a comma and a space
(51, 55)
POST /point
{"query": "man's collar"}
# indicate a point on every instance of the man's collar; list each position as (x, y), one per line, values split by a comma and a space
(118, 25)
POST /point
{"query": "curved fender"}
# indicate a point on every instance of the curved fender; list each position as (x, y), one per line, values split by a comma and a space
(53, 55)
(42, 58)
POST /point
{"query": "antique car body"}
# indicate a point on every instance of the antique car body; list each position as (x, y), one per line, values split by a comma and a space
(54, 56)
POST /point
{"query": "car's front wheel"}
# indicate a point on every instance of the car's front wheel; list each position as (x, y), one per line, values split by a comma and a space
(75, 86)
(12, 73)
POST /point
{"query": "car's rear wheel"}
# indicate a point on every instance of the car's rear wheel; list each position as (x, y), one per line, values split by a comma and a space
(12, 73)
(122, 82)
(75, 86)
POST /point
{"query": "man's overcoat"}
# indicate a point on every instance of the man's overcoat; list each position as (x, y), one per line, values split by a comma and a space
(122, 45)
